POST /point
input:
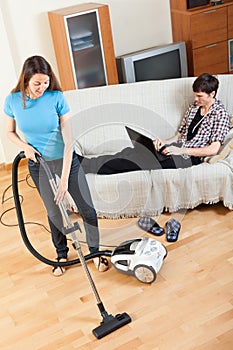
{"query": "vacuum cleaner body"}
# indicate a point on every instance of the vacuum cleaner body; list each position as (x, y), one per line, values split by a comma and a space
(140, 257)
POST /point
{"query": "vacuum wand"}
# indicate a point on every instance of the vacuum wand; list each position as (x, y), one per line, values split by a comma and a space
(109, 322)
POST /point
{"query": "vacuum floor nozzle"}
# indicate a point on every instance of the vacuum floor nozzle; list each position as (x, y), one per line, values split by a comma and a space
(110, 324)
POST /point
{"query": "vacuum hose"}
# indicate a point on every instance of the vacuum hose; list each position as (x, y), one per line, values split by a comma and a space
(23, 232)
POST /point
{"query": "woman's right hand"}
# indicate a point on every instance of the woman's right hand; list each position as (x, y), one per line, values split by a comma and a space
(158, 143)
(30, 153)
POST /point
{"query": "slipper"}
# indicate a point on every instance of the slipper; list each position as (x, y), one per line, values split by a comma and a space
(101, 263)
(59, 270)
(172, 230)
(151, 226)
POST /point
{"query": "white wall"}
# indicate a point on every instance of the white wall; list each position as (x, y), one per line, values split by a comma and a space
(8, 78)
(25, 31)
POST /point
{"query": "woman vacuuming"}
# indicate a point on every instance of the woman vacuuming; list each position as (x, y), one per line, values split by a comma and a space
(37, 107)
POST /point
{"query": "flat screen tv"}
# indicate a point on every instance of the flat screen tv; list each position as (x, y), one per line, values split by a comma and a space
(156, 63)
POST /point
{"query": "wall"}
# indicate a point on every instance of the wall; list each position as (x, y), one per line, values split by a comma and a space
(8, 77)
(136, 24)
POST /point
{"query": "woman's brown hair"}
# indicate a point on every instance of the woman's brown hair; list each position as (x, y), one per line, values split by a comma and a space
(35, 65)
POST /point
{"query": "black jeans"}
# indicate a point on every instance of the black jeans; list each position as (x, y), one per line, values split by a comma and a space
(132, 159)
(79, 190)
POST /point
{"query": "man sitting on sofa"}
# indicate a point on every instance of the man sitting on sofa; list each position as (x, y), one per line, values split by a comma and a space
(201, 133)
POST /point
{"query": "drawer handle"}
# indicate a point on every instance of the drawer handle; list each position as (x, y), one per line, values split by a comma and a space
(205, 12)
(208, 46)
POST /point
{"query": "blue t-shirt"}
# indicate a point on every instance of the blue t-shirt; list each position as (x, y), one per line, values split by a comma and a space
(40, 121)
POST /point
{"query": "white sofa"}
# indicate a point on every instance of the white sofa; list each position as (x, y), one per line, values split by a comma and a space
(156, 108)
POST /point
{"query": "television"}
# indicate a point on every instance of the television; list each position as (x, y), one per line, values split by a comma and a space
(156, 63)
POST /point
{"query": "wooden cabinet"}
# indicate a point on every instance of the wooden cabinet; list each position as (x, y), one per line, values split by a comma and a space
(211, 59)
(230, 21)
(208, 27)
(83, 45)
(205, 30)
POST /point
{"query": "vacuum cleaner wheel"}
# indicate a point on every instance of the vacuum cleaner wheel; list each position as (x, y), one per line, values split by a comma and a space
(144, 273)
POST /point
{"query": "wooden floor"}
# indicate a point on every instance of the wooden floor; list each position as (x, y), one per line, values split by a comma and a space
(188, 307)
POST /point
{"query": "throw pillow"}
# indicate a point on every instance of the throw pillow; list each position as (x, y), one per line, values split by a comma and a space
(224, 150)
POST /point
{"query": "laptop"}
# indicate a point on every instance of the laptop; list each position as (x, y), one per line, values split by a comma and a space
(135, 136)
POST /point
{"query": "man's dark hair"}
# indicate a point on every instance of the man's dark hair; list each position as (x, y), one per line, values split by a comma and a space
(206, 83)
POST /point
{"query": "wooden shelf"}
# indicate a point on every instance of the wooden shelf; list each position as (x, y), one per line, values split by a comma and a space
(205, 30)
(67, 21)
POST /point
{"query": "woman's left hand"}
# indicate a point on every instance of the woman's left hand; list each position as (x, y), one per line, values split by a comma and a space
(61, 191)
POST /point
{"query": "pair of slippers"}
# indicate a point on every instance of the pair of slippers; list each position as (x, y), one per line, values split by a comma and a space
(150, 225)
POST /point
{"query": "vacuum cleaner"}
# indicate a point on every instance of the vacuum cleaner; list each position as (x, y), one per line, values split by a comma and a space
(139, 257)
(109, 322)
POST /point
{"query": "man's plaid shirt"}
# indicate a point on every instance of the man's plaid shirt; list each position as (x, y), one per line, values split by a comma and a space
(214, 127)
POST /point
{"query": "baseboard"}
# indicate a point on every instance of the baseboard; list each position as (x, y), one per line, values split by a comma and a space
(8, 166)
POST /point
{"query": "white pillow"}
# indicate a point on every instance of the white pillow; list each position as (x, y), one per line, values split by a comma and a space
(224, 151)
